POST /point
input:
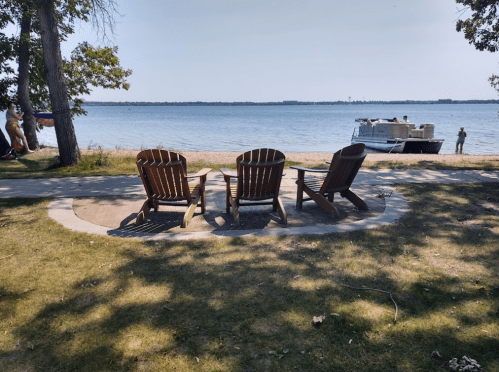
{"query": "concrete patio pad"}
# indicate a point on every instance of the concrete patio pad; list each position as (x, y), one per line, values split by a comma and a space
(115, 215)
(119, 212)
(108, 205)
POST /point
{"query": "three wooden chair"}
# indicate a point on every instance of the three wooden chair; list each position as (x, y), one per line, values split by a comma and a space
(165, 178)
(339, 177)
(258, 179)
(257, 182)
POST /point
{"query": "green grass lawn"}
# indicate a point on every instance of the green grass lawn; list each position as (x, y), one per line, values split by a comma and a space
(76, 302)
(45, 165)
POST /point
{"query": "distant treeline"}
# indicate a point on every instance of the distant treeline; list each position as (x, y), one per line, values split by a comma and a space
(290, 103)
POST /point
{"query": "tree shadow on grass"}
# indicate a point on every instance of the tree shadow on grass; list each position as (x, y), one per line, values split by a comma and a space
(243, 312)
(37, 165)
(247, 305)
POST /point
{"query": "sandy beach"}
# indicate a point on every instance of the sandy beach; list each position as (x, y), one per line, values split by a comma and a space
(314, 157)
(218, 157)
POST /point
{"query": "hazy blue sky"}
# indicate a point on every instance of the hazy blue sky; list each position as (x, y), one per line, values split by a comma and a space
(308, 50)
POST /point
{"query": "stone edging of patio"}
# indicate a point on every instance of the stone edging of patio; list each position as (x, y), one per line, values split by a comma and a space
(61, 210)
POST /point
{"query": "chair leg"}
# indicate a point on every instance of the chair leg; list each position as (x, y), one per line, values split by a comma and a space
(144, 211)
(202, 191)
(299, 194)
(190, 212)
(227, 195)
(327, 206)
(203, 201)
(235, 211)
(282, 211)
(355, 200)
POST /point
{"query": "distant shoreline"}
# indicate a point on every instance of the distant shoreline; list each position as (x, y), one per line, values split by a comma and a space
(293, 103)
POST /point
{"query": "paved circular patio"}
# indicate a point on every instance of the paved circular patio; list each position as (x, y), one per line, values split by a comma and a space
(107, 205)
(115, 215)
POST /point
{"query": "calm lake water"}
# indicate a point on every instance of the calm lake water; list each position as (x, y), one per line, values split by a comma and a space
(287, 128)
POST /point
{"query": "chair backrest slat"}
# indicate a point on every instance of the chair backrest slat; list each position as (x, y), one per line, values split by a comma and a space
(263, 176)
(344, 168)
(255, 159)
(161, 184)
(178, 170)
(171, 165)
(262, 171)
(151, 158)
(164, 174)
(259, 174)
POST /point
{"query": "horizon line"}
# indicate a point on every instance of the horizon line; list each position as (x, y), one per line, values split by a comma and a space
(293, 102)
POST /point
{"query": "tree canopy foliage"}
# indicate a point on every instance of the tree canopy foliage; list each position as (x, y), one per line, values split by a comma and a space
(481, 29)
(88, 66)
(6, 56)
(45, 79)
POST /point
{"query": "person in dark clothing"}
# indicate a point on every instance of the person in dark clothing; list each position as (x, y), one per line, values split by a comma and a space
(460, 140)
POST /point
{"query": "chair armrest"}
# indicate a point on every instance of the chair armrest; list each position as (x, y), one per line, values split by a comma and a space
(309, 169)
(227, 172)
(203, 172)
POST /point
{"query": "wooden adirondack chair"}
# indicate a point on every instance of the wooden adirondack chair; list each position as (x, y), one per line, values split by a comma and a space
(340, 175)
(259, 174)
(164, 174)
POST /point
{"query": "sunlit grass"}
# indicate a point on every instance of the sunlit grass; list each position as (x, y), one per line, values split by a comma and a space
(72, 301)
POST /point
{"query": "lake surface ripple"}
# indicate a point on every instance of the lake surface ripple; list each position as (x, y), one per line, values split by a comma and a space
(287, 128)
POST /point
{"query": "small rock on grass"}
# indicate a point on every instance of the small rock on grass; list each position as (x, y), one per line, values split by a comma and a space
(318, 320)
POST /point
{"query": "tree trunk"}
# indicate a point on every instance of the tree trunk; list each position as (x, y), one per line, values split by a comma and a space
(64, 129)
(23, 83)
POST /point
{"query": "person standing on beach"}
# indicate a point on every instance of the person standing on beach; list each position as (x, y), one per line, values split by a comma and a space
(14, 131)
(460, 140)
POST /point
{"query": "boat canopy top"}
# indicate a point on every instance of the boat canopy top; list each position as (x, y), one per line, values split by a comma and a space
(379, 120)
(43, 115)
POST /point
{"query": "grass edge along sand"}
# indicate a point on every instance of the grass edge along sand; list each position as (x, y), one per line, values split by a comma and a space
(72, 301)
(99, 162)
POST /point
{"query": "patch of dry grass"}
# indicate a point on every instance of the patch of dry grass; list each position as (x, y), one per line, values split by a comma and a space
(96, 162)
(72, 301)
(414, 163)
(99, 162)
